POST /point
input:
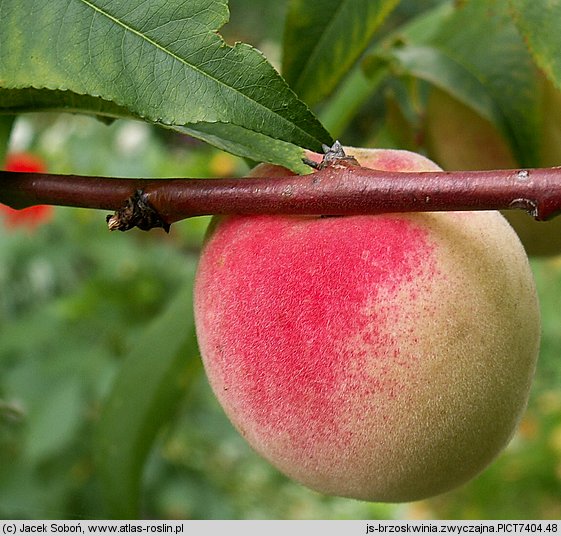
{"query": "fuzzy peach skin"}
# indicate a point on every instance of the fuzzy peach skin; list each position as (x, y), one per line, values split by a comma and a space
(385, 358)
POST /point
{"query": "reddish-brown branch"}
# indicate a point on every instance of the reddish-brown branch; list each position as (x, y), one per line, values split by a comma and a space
(340, 188)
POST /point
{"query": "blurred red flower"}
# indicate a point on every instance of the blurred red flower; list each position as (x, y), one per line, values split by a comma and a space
(30, 217)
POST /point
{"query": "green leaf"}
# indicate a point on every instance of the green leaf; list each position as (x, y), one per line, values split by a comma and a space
(226, 136)
(55, 421)
(162, 61)
(6, 124)
(248, 144)
(539, 22)
(324, 39)
(434, 65)
(142, 399)
(349, 97)
(477, 56)
(16, 101)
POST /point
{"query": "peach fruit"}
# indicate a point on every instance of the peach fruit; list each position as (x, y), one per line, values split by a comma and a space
(379, 357)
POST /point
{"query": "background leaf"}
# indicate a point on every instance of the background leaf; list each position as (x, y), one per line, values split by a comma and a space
(324, 39)
(475, 54)
(142, 399)
(539, 22)
(6, 123)
(163, 61)
(359, 87)
(54, 421)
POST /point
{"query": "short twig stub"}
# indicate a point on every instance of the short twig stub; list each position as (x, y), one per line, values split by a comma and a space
(136, 212)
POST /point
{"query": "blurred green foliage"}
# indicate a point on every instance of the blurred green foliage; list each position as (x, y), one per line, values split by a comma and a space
(76, 299)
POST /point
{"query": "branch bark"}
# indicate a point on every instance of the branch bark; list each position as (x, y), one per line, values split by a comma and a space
(339, 188)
